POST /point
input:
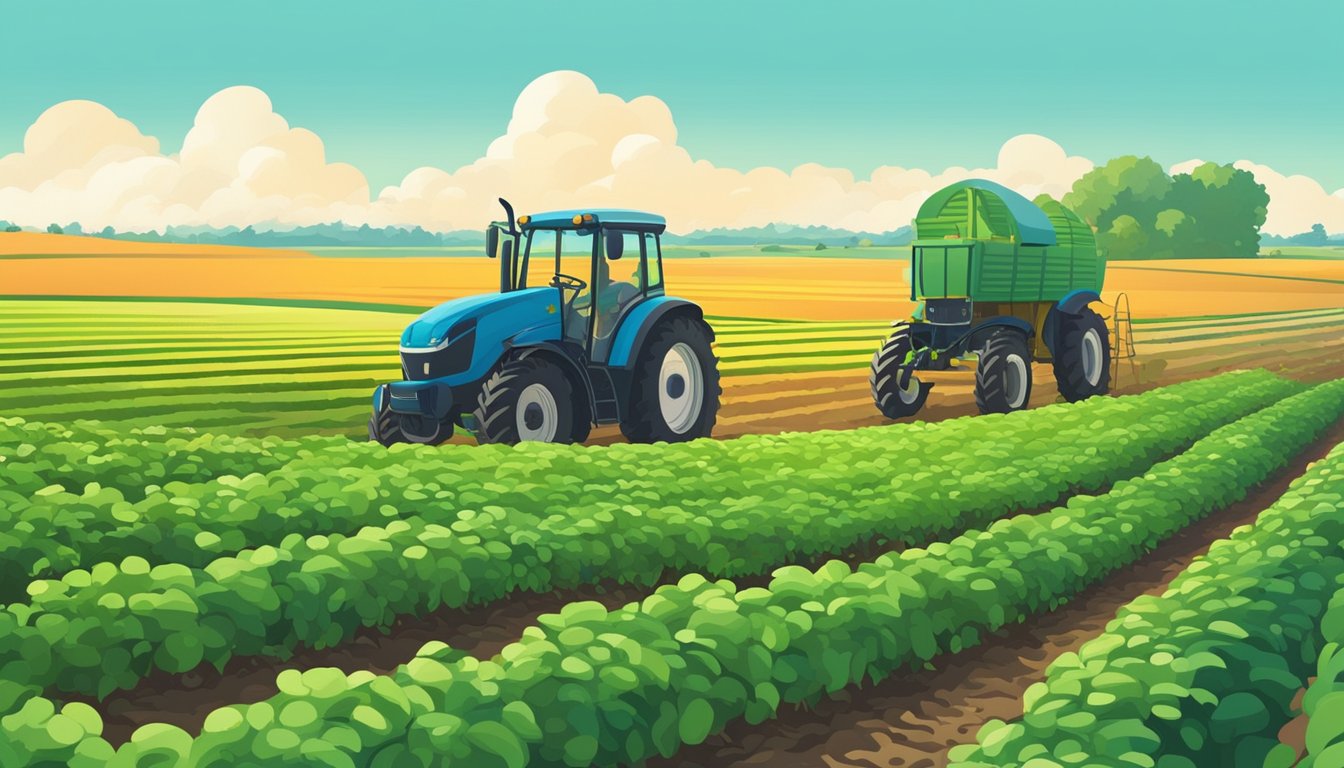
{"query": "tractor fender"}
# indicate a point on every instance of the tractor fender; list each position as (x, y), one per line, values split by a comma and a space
(1073, 303)
(639, 322)
(562, 358)
(1005, 321)
(985, 328)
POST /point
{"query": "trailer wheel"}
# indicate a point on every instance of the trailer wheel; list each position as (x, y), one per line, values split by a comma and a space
(1082, 356)
(674, 394)
(1003, 375)
(526, 398)
(884, 378)
(385, 426)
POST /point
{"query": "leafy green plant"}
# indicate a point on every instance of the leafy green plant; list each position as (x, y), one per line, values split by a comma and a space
(751, 500)
(588, 686)
(740, 517)
(1206, 673)
(1324, 701)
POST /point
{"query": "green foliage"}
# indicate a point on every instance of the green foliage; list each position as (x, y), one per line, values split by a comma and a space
(1206, 673)
(589, 686)
(466, 525)
(820, 247)
(1139, 212)
(1324, 701)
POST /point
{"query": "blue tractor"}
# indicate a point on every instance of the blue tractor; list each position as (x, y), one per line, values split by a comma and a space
(562, 346)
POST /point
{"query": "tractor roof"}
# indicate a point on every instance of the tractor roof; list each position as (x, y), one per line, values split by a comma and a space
(1001, 212)
(618, 217)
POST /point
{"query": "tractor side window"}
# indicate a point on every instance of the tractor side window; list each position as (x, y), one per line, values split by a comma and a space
(653, 264)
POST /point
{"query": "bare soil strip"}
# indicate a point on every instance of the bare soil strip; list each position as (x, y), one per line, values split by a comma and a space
(913, 720)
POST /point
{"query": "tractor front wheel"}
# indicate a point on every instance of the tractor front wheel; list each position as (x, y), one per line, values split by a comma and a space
(675, 390)
(385, 426)
(1082, 356)
(1003, 374)
(526, 398)
(884, 378)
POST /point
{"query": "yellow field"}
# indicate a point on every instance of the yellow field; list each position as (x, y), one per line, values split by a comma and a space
(799, 288)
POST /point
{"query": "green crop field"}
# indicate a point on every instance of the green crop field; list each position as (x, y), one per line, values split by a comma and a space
(160, 552)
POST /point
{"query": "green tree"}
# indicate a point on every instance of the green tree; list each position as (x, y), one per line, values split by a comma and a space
(55, 229)
(1229, 206)
(1126, 239)
(1129, 185)
(820, 247)
(1316, 236)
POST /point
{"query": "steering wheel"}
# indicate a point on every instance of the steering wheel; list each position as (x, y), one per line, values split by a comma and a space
(568, 282)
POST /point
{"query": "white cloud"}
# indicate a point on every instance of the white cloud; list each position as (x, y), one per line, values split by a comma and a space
(240, 164)
(569, 145)
(1295, 202)
(566, 145)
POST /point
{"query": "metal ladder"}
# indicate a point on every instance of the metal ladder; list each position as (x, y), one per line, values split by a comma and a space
(1122, 331)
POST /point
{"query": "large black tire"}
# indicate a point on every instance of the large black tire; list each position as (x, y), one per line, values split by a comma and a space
(385, 427)
(676, 352)
(1003, 375)
(884, 378)
(1082, 356)
(526, 398)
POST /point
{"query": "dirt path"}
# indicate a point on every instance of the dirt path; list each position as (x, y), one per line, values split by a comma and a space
(914, 720)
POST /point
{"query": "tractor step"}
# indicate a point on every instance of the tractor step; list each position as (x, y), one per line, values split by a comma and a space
(606, 406)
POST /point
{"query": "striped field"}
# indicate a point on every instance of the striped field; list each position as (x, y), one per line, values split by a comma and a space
(267, 369)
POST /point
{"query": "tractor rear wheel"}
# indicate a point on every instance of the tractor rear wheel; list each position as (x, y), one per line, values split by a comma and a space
(526, 398)
(1003, 375)
(385, 426)
(674, 394)
(1082, 356)
(884, 378)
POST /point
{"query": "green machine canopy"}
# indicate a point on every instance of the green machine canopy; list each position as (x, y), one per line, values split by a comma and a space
(978, 209)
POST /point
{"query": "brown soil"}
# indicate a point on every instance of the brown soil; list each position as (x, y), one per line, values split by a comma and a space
(913, 720)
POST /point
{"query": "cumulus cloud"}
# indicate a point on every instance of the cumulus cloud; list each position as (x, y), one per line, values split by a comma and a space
(1295, 202)
(570, 145)
(241, 163)
(567, 144)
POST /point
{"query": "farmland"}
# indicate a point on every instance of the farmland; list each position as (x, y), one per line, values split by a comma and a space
(201, 568)
(441, 531)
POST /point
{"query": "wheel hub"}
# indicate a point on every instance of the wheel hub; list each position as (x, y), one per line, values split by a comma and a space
(538, 414)
(681, 391)
(676, 386)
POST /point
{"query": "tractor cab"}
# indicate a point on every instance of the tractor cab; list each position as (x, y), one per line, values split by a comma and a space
(602, 263)
(581, 332)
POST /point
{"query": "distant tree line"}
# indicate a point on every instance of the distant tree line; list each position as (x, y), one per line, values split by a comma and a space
(1315, 236)
(1139, 211)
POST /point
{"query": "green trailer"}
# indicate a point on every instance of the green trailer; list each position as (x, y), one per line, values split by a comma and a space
(999, 281)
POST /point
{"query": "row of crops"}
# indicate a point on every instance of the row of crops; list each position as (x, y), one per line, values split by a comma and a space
(158, 551)
(293, 370)
(1207, 673)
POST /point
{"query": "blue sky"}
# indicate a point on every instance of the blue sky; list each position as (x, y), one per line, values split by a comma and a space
(395, 85)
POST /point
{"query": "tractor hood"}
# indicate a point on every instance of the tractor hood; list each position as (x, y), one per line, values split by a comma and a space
(495, 316)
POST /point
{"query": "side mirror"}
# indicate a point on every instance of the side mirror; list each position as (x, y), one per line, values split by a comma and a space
(491, 241)
(615, 245)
